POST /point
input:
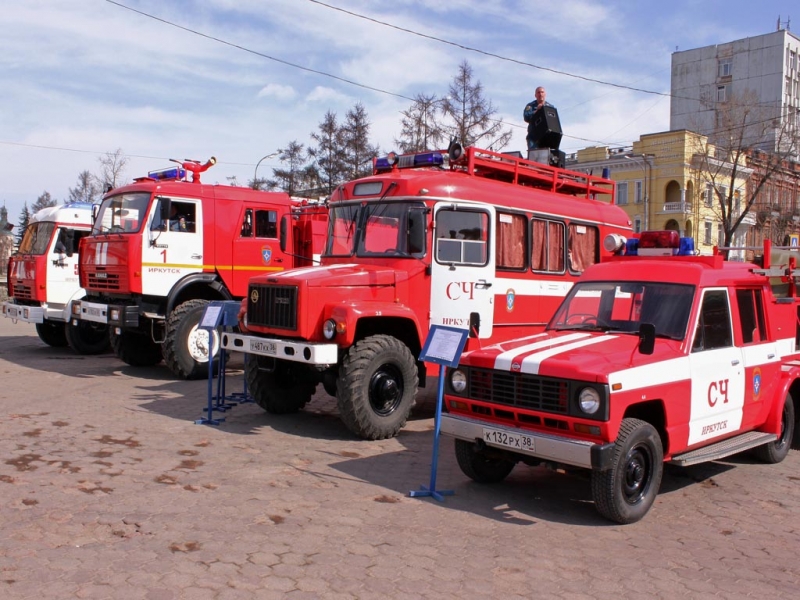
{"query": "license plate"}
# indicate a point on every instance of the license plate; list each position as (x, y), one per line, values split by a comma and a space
(260, 347)
(95, 312)
(515, 441)
(13, 312)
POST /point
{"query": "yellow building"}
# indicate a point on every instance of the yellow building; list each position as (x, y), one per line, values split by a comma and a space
(671, 180)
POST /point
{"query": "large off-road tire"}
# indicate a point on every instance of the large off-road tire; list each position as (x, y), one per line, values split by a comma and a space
(53, 334)
(278, 386)
(186, 345)
(776, 451)
(88, 338)
(625, 492)
(480, 466)
(376, 387)
(135, 348)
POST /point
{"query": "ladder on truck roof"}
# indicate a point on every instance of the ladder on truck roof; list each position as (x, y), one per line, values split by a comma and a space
(520, 171)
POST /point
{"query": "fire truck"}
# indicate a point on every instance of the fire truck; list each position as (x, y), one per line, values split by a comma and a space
(469, 238)
(43, 279)
(656, 355)
(165, 246)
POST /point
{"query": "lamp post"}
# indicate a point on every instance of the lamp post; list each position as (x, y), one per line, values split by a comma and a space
(255, 173)
(645, 163)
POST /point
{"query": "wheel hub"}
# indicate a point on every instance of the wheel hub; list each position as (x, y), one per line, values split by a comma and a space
(385, 391)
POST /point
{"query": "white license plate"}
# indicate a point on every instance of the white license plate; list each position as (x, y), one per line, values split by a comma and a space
(95, 312)
(260, 347)
(13, 312)
(515, 441)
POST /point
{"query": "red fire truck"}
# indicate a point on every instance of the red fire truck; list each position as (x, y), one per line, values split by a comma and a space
(653, 356)
(474, 239)
(164, 247)
(43, 279)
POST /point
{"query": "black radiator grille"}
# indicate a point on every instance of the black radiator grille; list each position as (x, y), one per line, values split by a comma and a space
(519, 390)
(272, 306)
(103, 281)
(21, 292)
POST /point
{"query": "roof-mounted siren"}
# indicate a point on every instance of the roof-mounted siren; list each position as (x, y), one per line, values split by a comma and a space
(407, 161)
(615, 243)
(546, 137)
(454, 151)
(663, 243)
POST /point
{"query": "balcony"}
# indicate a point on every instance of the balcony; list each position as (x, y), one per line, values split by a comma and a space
(677, 207)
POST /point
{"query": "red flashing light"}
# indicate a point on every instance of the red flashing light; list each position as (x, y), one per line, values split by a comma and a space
(659, 239)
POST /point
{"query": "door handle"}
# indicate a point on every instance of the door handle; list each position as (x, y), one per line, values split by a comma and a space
(735, 362)
(197, 256)
(482, 284)
(770, 355)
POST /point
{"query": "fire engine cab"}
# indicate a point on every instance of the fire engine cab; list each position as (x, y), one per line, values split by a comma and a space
(43, 279)
(466, 237)
(654, 355)
(164, 247)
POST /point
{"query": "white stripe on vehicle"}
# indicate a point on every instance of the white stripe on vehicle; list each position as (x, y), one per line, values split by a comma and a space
(504, 359)
(531, 364)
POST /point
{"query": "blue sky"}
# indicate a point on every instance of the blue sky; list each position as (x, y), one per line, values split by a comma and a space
(85, 77)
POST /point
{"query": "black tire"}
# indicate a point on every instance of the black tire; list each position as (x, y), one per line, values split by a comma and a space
(88, 338)
(280, 387)
(53, 334)
(776, 451)
(135, 349)
(376, 387)
(479, 466)
(186, 345)
(625, 492)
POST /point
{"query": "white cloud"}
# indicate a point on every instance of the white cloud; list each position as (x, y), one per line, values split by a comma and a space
(276, 90)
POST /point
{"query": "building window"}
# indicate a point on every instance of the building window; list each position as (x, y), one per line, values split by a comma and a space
(637, 193)
(707, 232)
(708, 196)
(725, 67)
(720, 235)
(622, 193)
(722, 93)
(637, 225)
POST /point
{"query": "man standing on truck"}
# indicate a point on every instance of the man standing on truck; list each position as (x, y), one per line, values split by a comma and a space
(530, 110)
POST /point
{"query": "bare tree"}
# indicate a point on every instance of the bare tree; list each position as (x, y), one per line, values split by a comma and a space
(420, 128)
(112, 165)
(471, 116)
(43, 201)
(734, 152)
(291, 178)
(86, 190)
(327, 155)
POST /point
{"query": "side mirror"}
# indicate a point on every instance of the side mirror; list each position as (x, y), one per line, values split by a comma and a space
(284, 233)
(69, 241)
(474, 324)
(647, 338)
(165, 205)
(416, 232)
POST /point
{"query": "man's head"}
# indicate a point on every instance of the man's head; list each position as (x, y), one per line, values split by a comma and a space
(540, 95)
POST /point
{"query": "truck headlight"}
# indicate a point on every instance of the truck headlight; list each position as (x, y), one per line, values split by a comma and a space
(329, 329)
(589, 400)
(458, 381)
(114, 314)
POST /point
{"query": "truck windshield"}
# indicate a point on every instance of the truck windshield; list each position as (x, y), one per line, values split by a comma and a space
(378, 229)
(622, 307)
(122, 213)
(37, 238)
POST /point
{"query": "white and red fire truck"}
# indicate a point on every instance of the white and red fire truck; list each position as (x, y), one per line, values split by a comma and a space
(164, 247)
(43, 279)
(654, 356)
(476, 239)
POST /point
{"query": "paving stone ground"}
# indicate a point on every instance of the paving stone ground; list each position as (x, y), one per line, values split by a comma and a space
(108, 489)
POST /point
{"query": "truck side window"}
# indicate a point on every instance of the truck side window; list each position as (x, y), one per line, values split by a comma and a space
(714, 323)
(751, 315)
(548, 246)
(247, 223)
(582, 247)
(462, 237)
(267, 224)
(512, 241)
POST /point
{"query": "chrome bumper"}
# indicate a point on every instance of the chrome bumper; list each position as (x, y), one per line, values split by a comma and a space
(303, 352)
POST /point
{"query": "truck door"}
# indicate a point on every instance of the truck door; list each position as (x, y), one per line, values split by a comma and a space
(463, 266)
(175, 245)
(717, 371)
(256, 250)
(62, 266)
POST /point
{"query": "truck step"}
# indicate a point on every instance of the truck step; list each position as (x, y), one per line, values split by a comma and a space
(733, 445)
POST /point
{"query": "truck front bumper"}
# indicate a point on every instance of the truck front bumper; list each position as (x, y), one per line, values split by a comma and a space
(309, 353)
(26, 314)
(568, 451)
(122, 316)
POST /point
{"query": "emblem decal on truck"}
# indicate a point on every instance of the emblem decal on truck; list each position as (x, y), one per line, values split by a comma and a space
(266, 254)
(510, 297)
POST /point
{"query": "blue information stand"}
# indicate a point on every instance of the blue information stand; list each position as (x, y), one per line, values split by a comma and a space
(217, 316)
(443, 346)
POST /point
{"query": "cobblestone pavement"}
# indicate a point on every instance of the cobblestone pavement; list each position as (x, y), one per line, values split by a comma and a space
(108, 489)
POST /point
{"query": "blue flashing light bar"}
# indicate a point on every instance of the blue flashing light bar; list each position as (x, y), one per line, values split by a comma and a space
(410, 161)
(168, 174)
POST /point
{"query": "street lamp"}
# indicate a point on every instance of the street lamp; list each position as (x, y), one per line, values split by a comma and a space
(263, 158)
(645, 163)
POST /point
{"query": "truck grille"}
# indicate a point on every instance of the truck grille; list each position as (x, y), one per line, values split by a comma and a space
(272, 306)
(519, 390)
(102, 281)
(21, 292)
